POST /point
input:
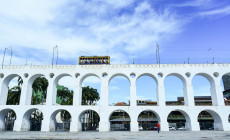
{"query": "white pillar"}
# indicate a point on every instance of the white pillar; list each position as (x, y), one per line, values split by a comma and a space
(195, 126)
(164, 126)
(189, 96)
(18, 121)
(134, 118)
(25, 93)
(133, 96)
(104, 124)
(74, 124)
(51, 92)
(225, 122)
(77, 92)
(104, 100)
(3, 92)
(160, 92)
(217, 93)
(46, 122)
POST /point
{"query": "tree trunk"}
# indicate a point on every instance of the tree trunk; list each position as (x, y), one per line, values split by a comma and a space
(36, 97)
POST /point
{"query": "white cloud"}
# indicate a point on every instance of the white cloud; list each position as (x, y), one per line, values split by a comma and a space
(74, 26)
(194, 3)
(221, 11)
(91, 80)
(114, 88)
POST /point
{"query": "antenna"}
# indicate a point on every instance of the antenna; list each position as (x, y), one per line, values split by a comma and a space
(9, 49)
(157, 54)
(55, 50)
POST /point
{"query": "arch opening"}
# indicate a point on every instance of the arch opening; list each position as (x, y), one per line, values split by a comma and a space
(175, 90)
(14, 91)
(119, 91)
(32, 120)
(147, 121)
(146, 90)
(209, 120)
(225, 84)
(89, 120)
(39, 91)
(11, 90)
(60, 120)
(178, 120)
(7, 119)
(203, 89)
(64, 89)
(119, 121)
(90, 90)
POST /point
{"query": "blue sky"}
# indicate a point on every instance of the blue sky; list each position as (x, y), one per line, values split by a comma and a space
(198, 29)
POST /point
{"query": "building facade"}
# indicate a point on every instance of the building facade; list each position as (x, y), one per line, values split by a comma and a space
(213, 72)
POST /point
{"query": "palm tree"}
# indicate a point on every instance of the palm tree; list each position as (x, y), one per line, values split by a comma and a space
(40, 84)
(89, 95)
(13, 97)
(14, 93)
(44, 86)
(36, 88)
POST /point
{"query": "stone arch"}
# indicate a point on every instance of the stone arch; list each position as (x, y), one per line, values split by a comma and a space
(55, 83)
(212, 87)
(181, 100)
(127, 88)
(116, 123)
(29, 124)
(88, 75)
(81, 82)
(148, 122)
(29, 87)
(89, 120)
(7, 118)
(119, 74)
(224, 82)
(150, 75)
(181, 124)
(217, 124)
(60, 125)
(147, 87)
(4, 88)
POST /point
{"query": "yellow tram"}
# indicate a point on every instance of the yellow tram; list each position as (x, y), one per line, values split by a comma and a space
(92, 60)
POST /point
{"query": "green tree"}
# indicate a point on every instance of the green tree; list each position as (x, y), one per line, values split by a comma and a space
(89, 95)
(13, 97)
(39, 84)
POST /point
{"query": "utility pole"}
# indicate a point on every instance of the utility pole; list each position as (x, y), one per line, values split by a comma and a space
(158, 54)
(55, 50)
(7, 50)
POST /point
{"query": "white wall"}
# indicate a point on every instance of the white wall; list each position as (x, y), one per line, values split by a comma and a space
(78, 73)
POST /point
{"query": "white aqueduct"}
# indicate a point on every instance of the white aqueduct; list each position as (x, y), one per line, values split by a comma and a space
(186, 72)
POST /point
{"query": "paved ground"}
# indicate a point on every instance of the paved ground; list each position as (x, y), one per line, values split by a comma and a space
(172, 135)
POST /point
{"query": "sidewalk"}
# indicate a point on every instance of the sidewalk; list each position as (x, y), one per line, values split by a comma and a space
(150, 135)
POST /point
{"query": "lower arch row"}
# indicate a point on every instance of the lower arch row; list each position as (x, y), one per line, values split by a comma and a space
(60, 120)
